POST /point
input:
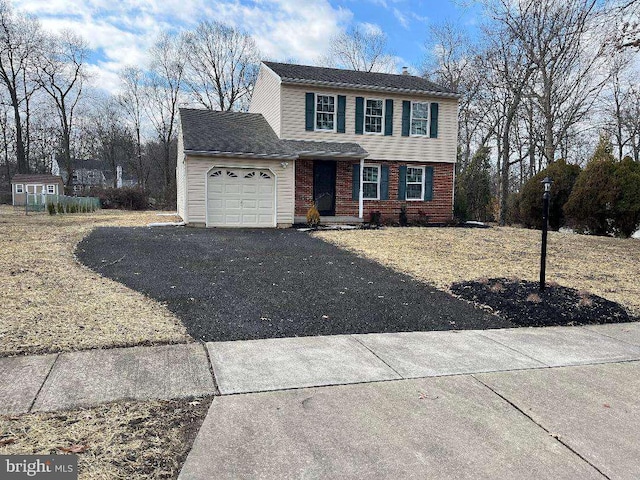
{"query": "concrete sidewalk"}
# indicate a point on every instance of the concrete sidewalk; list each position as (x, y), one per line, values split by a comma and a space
(81, 379)
(578, 422)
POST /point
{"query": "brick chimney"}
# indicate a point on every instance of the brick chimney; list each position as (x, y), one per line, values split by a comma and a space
(405, 70)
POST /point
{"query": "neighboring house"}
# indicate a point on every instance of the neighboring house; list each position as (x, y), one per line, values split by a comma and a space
(91, 173)
(350, 142)
(29, 186)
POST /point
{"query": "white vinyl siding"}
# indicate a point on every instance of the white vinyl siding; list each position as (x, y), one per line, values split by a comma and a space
(266, 98)
(380, 147)
(196, 173)
(181, 179)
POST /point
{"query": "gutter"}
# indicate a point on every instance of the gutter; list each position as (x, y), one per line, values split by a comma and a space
(277, 156)
(352, 86)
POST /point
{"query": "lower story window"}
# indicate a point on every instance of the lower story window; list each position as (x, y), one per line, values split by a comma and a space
(51, 189)
(371, 182)
(415, 183)
(19, 188)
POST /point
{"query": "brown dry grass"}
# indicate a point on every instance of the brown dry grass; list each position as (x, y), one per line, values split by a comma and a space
(51, 303)
(608, 267)
(132, 440)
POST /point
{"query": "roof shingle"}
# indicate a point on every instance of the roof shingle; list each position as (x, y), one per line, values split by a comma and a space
(345, 78)
(249, 134)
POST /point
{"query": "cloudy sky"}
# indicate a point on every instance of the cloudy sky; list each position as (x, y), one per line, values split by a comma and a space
(120, 31)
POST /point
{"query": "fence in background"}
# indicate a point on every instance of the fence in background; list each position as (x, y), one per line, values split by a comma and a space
(61, 203)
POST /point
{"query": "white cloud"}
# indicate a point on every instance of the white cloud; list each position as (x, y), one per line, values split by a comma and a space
(121, 31)
(401, 17)
(371, 28)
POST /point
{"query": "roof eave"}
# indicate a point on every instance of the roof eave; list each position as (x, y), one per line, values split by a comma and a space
(321, 154)
(352, 86)
(263, 156)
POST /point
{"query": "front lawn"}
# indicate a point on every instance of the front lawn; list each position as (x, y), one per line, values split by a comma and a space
(50, 303)
(604, 266)
(132, 440)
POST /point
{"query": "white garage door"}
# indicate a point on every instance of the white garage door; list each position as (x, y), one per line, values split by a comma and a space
(241, 197)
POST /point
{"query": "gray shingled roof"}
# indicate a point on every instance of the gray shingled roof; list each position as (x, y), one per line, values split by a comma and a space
(242, 133)
(335, 76)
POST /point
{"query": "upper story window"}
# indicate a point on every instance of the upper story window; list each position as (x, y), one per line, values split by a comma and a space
(19, 188)
(371, 182)
(415, 183)
(420, 118)
(325, 112)
(373, 117)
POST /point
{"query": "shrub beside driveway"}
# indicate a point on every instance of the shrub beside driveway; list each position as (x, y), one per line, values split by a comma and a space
(608, 267)
(50, 303)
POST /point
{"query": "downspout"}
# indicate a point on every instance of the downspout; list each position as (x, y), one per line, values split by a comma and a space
(360, 199)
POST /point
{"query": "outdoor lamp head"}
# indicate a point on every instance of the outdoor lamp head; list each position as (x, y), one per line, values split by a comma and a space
(547, 184)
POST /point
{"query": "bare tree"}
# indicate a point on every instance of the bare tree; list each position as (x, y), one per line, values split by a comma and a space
(453, 62)
(20, 39)
(510, 75)
(222, 66)
(557, 37)
(162, 91)
(62, 75)
(360, 49)
(624, 18)
(130, 99)
(630, 120)
(114, 142)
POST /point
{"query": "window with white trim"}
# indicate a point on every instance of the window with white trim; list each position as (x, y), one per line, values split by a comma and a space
(420, 118)
(371, 182)
(373, 116)
(325, 112)
(19, 188)
(415, 183)
(51, 189)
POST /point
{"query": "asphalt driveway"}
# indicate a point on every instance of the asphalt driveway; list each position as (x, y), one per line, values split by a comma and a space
(229, 284)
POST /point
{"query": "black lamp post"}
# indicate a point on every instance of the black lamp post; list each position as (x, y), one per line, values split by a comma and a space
(545, 225)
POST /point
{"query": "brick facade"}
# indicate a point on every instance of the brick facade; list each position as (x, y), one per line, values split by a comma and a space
(440, 209)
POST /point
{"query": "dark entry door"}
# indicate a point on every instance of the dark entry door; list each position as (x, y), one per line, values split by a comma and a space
(324, 187)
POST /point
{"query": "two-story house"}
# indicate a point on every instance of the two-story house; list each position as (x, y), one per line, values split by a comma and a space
(350, 142)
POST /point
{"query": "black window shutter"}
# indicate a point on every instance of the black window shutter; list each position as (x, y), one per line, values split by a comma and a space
(433, 131)
(406, 118)
(428, 183)
(384, 182)
(359, 115)
(355, 191)
(402, 182)
(310, 111)
(388, 116)
(342, 104)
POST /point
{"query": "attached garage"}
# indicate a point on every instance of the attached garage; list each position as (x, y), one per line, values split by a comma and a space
(233, 171)
(241, 197)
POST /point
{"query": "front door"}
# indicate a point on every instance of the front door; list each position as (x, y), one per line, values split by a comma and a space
(324, 187)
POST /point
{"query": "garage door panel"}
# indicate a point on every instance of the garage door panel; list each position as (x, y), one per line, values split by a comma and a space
(241, 198)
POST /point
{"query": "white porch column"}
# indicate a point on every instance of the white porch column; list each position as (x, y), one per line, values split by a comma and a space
(360, 199)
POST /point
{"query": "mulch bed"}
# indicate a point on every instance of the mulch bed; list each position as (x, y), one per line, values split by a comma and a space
(522, 303)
